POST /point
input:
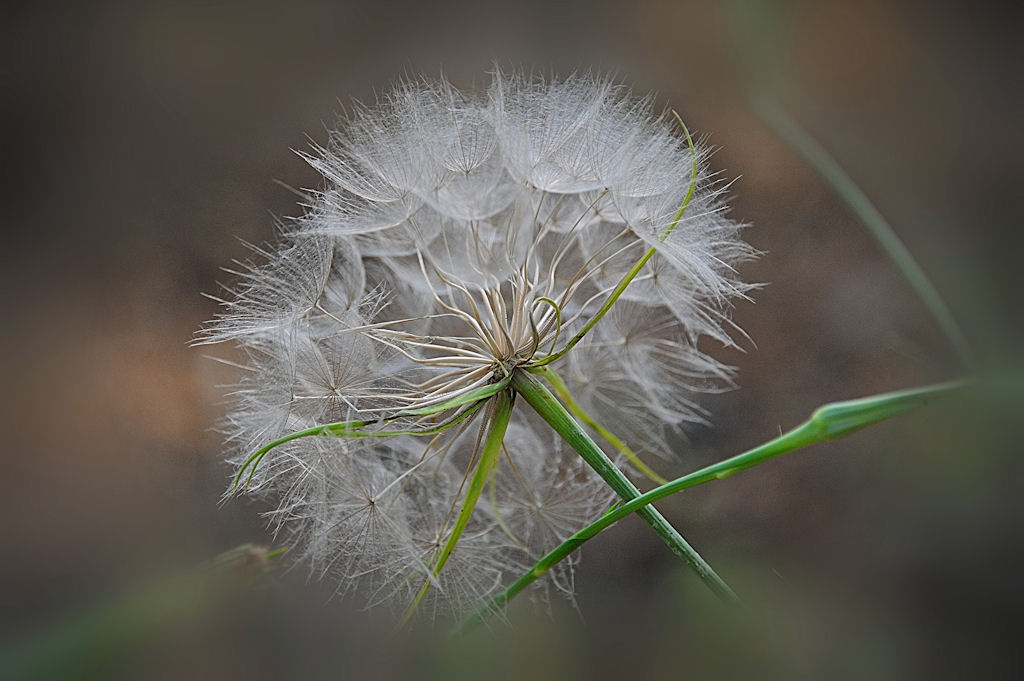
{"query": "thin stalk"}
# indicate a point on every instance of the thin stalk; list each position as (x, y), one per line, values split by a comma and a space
(869, 215)
(501, 410)
(829, 422)
(562, 390)
(552, 411)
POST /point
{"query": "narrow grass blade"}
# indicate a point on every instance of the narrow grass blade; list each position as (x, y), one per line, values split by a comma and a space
(862, 207)
(829, 422)
(499, 418)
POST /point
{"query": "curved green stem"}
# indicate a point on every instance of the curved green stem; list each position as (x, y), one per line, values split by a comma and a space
(635, 270)
(829, 422)
(353, 429)
(551, 410)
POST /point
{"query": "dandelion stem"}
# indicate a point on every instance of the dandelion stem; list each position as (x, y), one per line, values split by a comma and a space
(576, 410)
(501, 410)
(829, 422)
(870, 216)
(552, 411)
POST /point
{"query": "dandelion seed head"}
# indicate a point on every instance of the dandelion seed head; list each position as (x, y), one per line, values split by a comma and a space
(459, 236)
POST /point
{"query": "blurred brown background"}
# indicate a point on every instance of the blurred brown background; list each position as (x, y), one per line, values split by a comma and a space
(144, 140)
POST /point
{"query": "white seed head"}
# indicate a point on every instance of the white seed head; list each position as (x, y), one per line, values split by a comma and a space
(458, 236)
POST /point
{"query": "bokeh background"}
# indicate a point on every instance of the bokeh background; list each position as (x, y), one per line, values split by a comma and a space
(144, 141)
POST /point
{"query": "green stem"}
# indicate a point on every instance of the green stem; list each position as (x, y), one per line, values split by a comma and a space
(635, 270)
(829, 422)
(562, 390)
(552, 411)
(498, 424)
(880, 229)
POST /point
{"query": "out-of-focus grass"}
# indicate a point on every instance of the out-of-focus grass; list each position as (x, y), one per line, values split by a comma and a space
(102, 639)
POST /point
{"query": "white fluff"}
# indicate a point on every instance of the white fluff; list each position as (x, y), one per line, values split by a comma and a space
(417, 275)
